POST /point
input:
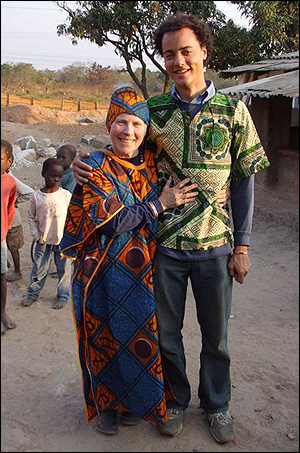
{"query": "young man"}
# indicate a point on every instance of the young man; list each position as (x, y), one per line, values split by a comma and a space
(65, 155)
(15, 236)
(8, 195)
(46, 217)
(210, 138)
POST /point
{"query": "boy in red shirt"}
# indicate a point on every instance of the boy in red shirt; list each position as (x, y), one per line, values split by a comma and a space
(8, 195)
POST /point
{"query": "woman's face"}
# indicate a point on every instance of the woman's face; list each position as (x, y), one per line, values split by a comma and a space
(127, 133)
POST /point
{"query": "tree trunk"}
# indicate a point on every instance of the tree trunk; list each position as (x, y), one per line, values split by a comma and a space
(166, 84)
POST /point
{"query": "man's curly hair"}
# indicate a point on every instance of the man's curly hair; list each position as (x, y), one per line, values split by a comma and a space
(179, 21)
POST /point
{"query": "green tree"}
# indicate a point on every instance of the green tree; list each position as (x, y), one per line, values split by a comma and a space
(129, 26)
(47, 78)
(19, 75)
(234, 46)
(74, 73)
(274, 25)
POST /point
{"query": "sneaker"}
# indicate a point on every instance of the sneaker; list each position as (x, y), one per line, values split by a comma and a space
(174, 424)
(108, 423)
(27, 301)
(128, 419)
(221, 426)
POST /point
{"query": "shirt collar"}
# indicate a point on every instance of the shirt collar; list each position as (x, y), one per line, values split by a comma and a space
(203, 97)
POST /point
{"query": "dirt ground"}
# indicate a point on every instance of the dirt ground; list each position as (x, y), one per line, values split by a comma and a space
(41, 397)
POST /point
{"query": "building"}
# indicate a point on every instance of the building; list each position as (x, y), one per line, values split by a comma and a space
(270, 88)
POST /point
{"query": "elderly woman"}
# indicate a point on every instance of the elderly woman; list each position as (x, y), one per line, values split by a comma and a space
(110, 231)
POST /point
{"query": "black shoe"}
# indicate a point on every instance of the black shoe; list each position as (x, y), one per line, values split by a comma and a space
(108, 423)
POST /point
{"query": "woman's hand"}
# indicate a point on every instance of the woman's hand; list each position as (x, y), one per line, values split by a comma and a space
(177, 195)
(81, 170)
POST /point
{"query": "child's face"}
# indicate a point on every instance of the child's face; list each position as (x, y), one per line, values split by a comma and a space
(53, 176)
(6, 161)
(65, 158)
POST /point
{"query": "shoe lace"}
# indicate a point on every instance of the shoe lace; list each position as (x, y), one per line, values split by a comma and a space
(221, 418)
(172, 412)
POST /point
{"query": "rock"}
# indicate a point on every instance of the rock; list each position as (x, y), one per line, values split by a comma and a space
(47, 152)
(24, 158)
(44, 142)
(100, 141)
(85, 120)
(16, 149)
(290, 436)
(87, 139)
(26, 142)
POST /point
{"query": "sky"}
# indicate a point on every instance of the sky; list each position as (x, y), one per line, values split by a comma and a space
(28, 35)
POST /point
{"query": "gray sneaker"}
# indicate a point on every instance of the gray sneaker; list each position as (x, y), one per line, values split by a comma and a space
(174, 423)
(221, 426)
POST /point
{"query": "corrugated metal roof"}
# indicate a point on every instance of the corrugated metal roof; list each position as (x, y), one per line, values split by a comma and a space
(284, 56)
(289, 64)
(283, 84)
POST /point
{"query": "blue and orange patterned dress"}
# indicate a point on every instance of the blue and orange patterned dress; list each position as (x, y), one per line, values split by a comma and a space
(112, 290)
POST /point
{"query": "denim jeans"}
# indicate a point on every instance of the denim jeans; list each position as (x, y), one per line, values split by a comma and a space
(40, 269)
(212, 290)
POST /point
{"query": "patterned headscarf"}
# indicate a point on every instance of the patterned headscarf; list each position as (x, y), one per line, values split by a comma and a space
(126, 100)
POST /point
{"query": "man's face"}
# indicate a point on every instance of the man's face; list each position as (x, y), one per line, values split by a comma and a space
(6, 161)
(53, 176)
(65, 158)
(184, 57)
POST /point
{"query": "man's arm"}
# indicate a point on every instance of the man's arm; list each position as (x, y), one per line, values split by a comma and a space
(81, 170)
(23, 190)
(242, 206)
(11, 207)
(32, 221)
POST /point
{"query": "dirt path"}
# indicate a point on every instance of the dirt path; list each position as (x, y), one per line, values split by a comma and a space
(41, 396)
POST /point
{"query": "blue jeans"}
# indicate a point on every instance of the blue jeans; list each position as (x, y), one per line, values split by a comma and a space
(212, 290)
(40, 269)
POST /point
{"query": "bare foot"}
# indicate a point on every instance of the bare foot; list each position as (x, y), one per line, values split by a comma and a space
(8, 323)
(13, 276)
(59, 304)
(27, 301)
(3, 328)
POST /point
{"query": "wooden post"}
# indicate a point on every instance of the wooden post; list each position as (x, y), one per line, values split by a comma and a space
(62, 104)
(31, 101)
(79, 105)
(96, 105)
(7, 99)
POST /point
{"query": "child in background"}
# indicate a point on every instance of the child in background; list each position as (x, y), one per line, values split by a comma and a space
(66, 155)
(15, 236)
(8, 194)
(46, 217)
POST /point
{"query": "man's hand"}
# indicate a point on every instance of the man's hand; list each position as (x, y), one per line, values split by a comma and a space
(223, 197)
(81, 170)
(177, 195)
(239, 266)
